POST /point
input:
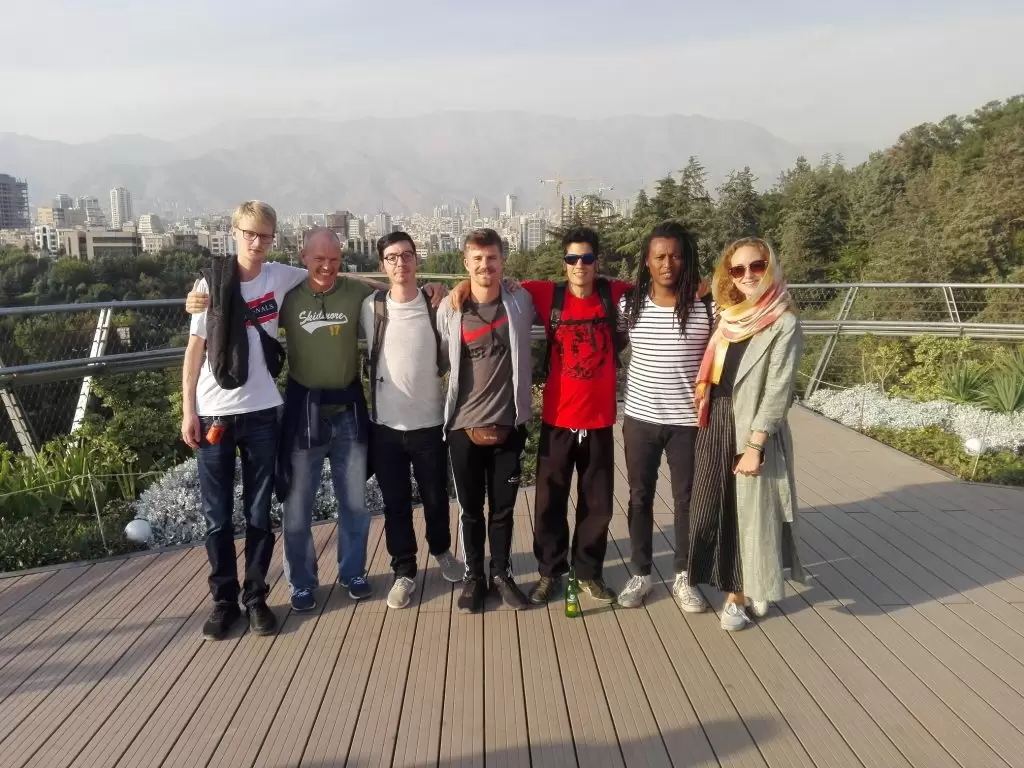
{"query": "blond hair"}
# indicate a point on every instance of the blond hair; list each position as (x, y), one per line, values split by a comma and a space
(725, 291)
(256, 210)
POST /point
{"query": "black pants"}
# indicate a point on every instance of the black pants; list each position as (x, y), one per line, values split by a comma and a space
(393, 450)
(592, 454)
(254, 437)
(644, 443)
(491, 472)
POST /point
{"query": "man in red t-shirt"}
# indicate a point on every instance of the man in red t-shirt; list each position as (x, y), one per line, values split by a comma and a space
(577, 422)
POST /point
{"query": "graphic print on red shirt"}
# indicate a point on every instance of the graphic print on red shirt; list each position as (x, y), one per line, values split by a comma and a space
(580, 390)
(264, 308)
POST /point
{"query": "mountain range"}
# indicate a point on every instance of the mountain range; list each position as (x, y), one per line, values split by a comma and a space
(400, 164)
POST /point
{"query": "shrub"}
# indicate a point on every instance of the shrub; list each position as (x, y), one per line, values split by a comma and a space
(943, 450)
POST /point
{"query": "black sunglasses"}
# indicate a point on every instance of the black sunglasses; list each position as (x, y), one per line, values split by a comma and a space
(572, 258)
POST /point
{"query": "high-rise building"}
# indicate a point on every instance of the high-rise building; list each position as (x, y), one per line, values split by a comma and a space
(94, 217)
(120, 207)
(337, 222)
(568, 209)
(511, 205)
(51, 217)
(47, 239)
(13, 203)
(474, 212)
(150, 224)
(356, 228)
(383, 224)
(533, 234)
(63, 201)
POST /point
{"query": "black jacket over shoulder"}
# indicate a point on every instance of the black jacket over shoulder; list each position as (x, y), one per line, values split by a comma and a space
(227, 344)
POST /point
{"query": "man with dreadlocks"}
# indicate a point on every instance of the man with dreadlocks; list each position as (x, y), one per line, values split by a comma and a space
(668, 331)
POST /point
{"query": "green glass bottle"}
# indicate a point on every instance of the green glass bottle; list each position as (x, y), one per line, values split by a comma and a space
(572, 597)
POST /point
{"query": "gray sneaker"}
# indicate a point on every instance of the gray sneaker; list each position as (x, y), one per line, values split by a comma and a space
(734, 618)
(688, 598)
(758, 607)
(401, 592)
(636, 589)
(453, 569)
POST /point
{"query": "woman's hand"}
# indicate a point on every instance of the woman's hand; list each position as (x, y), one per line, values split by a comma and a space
(749, 463)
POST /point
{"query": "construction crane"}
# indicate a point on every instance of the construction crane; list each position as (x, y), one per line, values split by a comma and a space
(559, 182)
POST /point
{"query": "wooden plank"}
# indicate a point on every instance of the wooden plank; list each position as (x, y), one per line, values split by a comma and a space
(131, 714)
(505, 736)
(867, 581)
(57, 594)
(944, 707)
(61, 725)
(214, 666)
(547, 715)
(718, 716)
(40, 669)
(330, 736)
(677, 728)
(244, 736)
(26, 585)
(462, 715)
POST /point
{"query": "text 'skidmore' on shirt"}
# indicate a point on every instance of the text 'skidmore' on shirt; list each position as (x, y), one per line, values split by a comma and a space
(580, 390)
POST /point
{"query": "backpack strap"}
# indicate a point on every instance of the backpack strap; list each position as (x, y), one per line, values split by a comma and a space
(554, 320)
(707, 299)
(611, 318)
(432, 314)
(380, 324)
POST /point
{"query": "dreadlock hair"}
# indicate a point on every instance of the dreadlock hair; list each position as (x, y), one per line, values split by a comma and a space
(686, 284)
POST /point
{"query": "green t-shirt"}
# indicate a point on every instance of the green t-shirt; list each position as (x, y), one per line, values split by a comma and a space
(323, 333)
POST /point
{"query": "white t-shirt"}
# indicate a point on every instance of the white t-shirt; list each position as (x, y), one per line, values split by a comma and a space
(664, 363)
(264, 294)
(408, 389)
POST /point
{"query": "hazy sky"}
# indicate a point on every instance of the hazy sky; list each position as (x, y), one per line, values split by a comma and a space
(862, 72)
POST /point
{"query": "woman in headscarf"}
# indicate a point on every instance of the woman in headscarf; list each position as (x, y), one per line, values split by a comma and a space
(743, 507)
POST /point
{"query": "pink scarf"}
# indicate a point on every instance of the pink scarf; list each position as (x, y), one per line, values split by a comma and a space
(736, 323)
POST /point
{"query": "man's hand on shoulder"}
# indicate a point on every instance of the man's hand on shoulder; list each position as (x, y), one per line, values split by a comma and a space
(458, 295)
(511, 284)
(436, 292)
(703, 288)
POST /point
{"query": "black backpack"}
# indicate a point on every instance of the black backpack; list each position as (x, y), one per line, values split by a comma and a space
(380, 324)
(620, 338)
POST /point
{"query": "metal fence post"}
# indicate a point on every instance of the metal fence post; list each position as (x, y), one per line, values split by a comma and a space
(954, 313)
(16, 414)
(830, 343)
(99, 347)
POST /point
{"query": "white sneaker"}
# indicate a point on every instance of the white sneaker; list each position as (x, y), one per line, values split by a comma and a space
(758, 607)
(689, 599)
(636, 589)
(401, 592)
(452, 569)
(734, 618)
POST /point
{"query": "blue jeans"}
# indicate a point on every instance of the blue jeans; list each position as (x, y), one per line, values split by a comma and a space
(254, 435)
(340, 445)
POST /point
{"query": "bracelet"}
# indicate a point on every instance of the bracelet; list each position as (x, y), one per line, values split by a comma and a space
(755, 446)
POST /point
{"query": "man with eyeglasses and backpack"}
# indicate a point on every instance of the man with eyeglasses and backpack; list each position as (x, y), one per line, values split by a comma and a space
(405, 364)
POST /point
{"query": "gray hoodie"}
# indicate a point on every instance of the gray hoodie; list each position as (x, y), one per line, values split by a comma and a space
(520, 310)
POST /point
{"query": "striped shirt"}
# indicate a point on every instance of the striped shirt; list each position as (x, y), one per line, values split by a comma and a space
(663, 363)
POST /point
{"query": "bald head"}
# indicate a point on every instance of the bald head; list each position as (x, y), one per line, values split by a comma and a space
(321, 253)
(315, 235)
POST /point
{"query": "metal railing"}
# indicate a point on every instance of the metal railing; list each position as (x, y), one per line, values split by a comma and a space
(58, 344)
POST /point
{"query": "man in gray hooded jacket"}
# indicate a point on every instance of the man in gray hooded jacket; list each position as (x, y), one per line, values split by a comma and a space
(487, 406)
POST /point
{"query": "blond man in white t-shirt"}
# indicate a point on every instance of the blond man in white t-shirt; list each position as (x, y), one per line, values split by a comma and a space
(218, 421)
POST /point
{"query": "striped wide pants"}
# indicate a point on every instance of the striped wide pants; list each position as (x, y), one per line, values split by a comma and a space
(714, 529)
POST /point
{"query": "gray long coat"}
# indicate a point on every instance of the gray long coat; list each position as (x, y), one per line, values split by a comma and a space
(766, 505)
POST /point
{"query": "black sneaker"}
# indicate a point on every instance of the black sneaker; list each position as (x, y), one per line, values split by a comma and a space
(544, 590)
(511, 594)
(220, 621)
(262, 620)
(597, 589)
(474, 592)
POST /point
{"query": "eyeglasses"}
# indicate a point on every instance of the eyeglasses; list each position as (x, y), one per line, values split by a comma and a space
(251, 237)
(572, 259)
(757, 268)
(406, 257)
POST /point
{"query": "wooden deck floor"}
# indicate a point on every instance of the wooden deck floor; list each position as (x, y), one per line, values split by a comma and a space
(905, 649)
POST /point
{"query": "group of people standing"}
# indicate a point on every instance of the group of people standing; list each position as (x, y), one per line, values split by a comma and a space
(709, 382)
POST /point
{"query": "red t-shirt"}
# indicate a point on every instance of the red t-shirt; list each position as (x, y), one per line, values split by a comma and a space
(580, 390)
